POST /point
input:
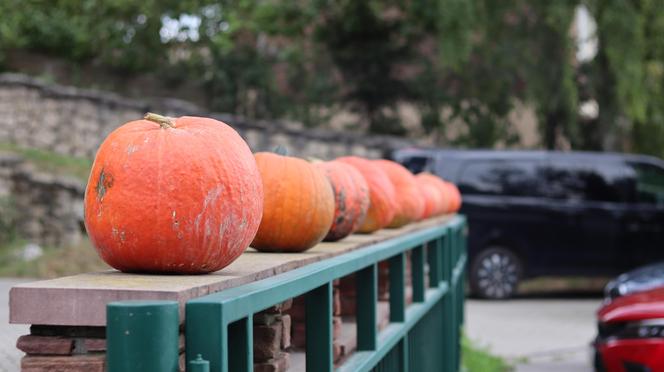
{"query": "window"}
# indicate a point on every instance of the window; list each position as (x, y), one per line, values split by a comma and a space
(416, 164)
(649, 183)
(605, 181)
(503, 177)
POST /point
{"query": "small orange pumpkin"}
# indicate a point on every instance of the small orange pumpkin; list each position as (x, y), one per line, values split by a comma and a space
(351, 198)
(442, 191)
(455, 197)
(382, 205)
(408, 196)
(298, 207)
(173, 196)
(433, 200)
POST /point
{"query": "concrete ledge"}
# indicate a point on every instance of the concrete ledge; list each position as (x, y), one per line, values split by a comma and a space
(81, 300)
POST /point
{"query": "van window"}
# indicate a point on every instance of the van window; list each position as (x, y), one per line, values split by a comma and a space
(503, 177)
(649, 184)
(416, 164)
(605, 181)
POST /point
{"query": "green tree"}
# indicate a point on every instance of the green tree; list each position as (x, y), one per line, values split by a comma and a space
(626, 77)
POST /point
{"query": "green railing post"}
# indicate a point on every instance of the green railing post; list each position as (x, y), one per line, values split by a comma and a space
(241, 349)
(318, 318)
(366, 284)
(198, 365)
(433, 259)
(417, 270)
(404, 355)
(142, 336)
(397, 288)
(205, 320)
(446, 265)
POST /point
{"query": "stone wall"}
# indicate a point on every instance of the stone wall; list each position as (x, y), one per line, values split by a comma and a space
(74, 121)
(48, 208)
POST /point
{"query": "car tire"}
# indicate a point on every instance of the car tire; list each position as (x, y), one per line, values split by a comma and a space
(495, 273)
(598, 364)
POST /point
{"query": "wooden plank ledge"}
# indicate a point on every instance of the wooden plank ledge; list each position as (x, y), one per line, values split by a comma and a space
(80, 300)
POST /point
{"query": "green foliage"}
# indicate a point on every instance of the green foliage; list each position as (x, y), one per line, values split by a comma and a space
(627, 76)
(366, 47)
(461, 61)
(476, 359)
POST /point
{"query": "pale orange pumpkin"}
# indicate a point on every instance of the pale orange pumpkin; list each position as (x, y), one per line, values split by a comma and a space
(382, 206)
(433, 200)
(298, 207)
(455, 197)
(408, 196)
(443, 192)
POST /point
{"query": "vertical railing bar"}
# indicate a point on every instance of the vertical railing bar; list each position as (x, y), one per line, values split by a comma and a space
(241, 350)
(417, 270)
(206, 334)
(403, 355)
(433, 258)
(318, 329)
(448, 301)
(397, 288)
(366, 284)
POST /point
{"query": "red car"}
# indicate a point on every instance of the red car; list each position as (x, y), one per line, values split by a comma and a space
(631, 333)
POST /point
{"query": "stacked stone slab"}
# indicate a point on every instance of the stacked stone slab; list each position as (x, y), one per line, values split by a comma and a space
(272, 338)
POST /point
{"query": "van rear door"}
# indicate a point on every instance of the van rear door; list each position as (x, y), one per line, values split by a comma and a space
(587, 199)
(644, 223)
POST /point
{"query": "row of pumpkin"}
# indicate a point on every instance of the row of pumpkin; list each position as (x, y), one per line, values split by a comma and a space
(187, 196)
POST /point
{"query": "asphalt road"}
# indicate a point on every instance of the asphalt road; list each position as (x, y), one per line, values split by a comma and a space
(10, 356)
(536, 334)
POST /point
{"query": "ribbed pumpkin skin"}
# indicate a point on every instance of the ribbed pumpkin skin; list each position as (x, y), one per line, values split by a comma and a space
(351, 198)
(443, 199)
(382, 206)
(169, 200)
(433, 201)
(299, 204)
(408, 196)
(455, 197)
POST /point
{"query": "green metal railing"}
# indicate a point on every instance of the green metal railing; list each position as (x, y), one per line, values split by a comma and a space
(423, 336)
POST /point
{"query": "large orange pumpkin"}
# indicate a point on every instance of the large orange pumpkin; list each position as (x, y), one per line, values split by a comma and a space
(408, 195)
(173, 196)
(382, 205)
(299, 204)
(351, 198)
(443, 199)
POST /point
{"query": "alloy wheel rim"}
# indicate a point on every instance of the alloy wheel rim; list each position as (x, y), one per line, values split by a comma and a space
(497, 275)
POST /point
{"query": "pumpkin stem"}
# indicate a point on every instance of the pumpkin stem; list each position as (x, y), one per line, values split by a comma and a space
(164, 121)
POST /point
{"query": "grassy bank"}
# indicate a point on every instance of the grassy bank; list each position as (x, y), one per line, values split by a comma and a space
(51, 162)
(477, 359)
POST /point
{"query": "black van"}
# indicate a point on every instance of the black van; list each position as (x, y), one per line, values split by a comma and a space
(536, 213)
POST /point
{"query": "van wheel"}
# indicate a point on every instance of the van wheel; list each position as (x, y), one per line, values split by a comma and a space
(495, 273)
